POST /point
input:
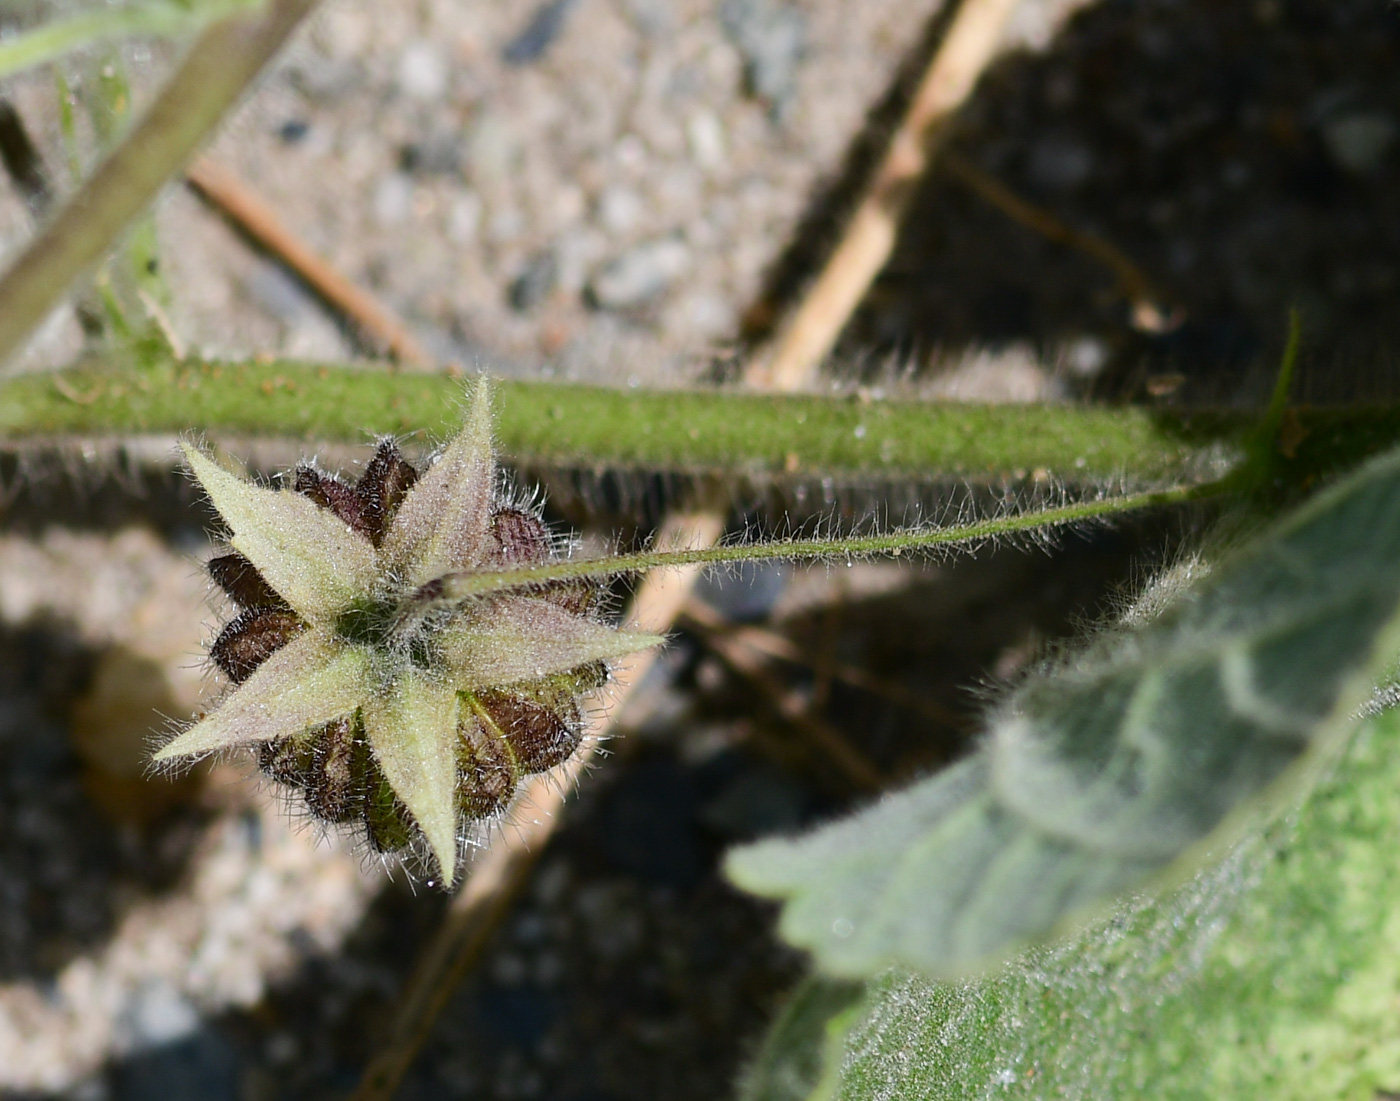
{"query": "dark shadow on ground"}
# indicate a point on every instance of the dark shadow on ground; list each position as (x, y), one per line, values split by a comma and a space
(67, 869)
(1244, 155)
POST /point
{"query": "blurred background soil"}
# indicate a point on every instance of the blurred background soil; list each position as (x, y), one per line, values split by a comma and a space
(634, 191)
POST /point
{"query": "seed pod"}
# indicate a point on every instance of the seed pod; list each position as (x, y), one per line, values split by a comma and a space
(251, 638)
(361, 685)
(487, 773)
(241, 581)
(540, 735)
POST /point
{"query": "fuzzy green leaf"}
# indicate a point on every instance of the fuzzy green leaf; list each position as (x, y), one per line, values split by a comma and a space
(311, 680)
(1272, 975)
(412, 730)
(313, 559)
(514, 639)
(443, 522)
(1119, 765)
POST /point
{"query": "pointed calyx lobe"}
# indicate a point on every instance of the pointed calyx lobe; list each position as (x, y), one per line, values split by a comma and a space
(409, 723)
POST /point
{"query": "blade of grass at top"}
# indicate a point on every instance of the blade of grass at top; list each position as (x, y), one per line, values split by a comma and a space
(559, 424)
(224, 59)
(157, 18)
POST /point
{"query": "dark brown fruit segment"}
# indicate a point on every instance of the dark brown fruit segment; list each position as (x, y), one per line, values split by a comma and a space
(329, 766)
(382, 488)
(519, 538)
(335, 771)
(240, 579)
(250, 638)
(486, 773)
(291, 761)
(331, 493)
(342, 761)
(575, 597)
(539, 735)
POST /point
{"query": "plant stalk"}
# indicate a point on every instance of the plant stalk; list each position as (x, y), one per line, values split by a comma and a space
(223, 61)
(560, 424)
(456, 587)
(160, 18)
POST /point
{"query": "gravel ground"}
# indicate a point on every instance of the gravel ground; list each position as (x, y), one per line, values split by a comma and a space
(634, 190)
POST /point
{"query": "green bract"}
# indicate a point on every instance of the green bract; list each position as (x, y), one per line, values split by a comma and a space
(357, 682)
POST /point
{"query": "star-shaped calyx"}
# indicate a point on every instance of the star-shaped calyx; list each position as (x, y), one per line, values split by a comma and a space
(357, 683)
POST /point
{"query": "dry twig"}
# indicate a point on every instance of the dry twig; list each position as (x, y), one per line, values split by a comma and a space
(256, 217)
(869, 237)
(1148, 312)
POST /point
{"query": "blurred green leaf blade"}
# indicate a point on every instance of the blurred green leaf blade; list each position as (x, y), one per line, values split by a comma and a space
(1116, 766)
(800, 1058)
(1271, 974)
(157, 18)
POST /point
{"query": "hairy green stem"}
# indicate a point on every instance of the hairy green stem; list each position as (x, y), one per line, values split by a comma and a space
(560, 424)
(563, 425)
(457, 587)
(160, 18)
(225, 58)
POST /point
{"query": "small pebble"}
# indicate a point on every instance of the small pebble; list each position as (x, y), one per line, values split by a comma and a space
(293, 131)
(638, 277)
(535, 284)
(393, 196)
(771, 38)
(422, 72)
(464, 218)
(158, 1015)
(436, 155)
(539, 33)
(704, 133)
(620, 209)
(492, 149)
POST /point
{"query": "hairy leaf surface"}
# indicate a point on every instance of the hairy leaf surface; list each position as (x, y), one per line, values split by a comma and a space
(1271, 975)
(1107, 770)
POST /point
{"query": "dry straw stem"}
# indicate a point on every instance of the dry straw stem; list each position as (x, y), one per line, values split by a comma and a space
(223, 61)
(252, 214)
(870, 236)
